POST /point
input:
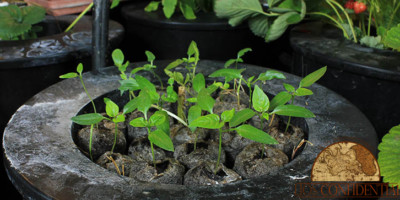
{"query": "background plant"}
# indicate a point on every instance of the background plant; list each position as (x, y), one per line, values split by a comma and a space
(187, 7)
(17, 23)
(388, 157)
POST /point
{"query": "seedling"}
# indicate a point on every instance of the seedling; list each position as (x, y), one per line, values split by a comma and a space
(302, 90)
(78, 73)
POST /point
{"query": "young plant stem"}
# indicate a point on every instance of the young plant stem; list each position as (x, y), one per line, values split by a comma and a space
(348, 19)
(115, 137)
(181, 102)
(90, 142)
(336, 11)
(262, 128)
(238, 93)
(87, 93)
(393, 15)
(152, 154)
(369, 22)
(290, 118)
(79, 17)
(219, 150)
(334, 20)
(158, 78)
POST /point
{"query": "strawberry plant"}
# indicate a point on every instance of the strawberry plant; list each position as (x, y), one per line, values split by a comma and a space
(187, 7)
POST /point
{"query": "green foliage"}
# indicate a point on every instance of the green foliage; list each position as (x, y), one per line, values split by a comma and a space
(161, 139)
(293, 111)
(205, 101)
(210, 121)
(88, 119)
(255, 134)
(17, 22)
(392, 38)
(388, 157)
(312, 77)
(241, 117)
(188, 8)
(270, 24)
(260, 100)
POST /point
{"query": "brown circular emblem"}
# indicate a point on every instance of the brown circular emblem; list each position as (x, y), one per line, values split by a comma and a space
(345, 161)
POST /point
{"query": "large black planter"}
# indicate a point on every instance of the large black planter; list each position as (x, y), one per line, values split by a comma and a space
(29, 66)
(369, 78)
(216, 39)
(43, 161)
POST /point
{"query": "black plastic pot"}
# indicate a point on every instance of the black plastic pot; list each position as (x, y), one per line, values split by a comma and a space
(29, 66)
(216, 39)
(369, 78)
(43, 161)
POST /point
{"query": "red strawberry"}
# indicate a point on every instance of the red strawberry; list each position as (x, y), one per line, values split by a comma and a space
(349, 4)
(359, 7)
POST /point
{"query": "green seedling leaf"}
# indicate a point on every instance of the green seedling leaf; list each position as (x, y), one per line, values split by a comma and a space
(227, 115)
(119, 118)
(192, 100)
(289, 87)
(186, 7)
(130, 106)
(169, 7)
(143, 102)
(229, 74)
(193, 50)
(88, 119)
(138, 122)
(178, 77)
(271, 74)
(118, 58)
(152, 6)
(173, 64)
(199, 82)
(112, 109)
(265, 116)
(241, 117)
(226, 86)
(229, 63)
(213, 87)
(165, 125)
(388, 158)
(210, 121)
(114, 4)
(157, 119)
(150, 56)
(128, 84)
(293, 111)
(243, 51)
(161, 139)
(69, 75)
(260, 100)
(205, 101)
(148, 87)
(303, 92)
(255, 134)
(280, 99)
(171, 95)
(79, 68)
(312, 78)
(193, 113)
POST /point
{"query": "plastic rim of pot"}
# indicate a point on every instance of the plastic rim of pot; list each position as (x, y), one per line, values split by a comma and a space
(43, 162)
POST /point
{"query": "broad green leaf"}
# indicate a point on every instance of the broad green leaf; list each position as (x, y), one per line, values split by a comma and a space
(112, 109)
(138, 122)
(69, 75)
(303, 92)
(289, 87)
(161, 139)
(157, 119)
(187, 8)
(79, 68)
(271, 74)
(388, 157)
(193, 113)
(118, 57)
(192, 50)
(271, 3)
(291, 4)
(130, 106)
(178, 77)
(135, 70)
(148, 87)
(119, 118)
(312, 78)
(210, 121)
(165, 125)
(265, 116)
(259, 25)
(169, 7)
(88, 119)
(279, 26)
(199, 82)
(174, 64)
(213, 87)
(227, 115)
(150, 56)
(260, 100)
(229, 63)
(129, 84)
(229, 74)
(280, 99)
(205, 101)
(143, 102)
(171, 95)
(392, 38)
(33, 14)
(372, 41)
(114, 4)
(255, 134)
(243, 51)
(152, 6)
(241, 117)
(237, 11)
(293, 111)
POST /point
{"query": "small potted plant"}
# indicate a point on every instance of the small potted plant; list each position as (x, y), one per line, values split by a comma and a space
(34, 45)
(358, 40)
(199, 128)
